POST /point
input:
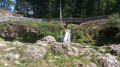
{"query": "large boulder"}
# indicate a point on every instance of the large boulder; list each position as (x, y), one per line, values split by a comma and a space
(49, 39)
(34, 52)
(115, 49)
(42, 43)
(65, 48)
(108, 60)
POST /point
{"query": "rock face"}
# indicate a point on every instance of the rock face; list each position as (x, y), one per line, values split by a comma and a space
(115, 49)
(11, 56)
(34, 52)
(49, 39)
(65, 48)
(42, 43)
(108, 60)
(17, 30)
(17, 43)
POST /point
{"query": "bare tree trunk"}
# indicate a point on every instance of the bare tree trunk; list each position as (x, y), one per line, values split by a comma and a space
(60, 11)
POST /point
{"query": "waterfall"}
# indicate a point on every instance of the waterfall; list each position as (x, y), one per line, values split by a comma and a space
(67, 38)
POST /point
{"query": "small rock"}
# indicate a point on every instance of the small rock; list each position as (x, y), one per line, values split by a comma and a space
(11, 56)
(17, 43)
(12, 48)
(79, 65)
(6, 64)
(92, 65)
(102, 50)
(49, 39)
(98, 54)
(34, 52)
(50, 61)
(42, 43)
(56, 57)
(2, 45)
(17, 62)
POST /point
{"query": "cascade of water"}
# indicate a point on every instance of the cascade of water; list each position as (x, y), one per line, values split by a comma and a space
(67, 38)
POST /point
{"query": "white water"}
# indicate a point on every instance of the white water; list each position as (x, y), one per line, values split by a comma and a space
(67, 38)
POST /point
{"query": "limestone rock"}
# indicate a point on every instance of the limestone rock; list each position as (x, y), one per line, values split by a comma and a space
(76, 44)
(79, 65)
(98, 54)
(42, 43)
(49, 39)
(91, 65)
(2, 45)
(85, 51)
(17, 43)
(9, 49)
(11, 56)
(115, 49)
(65, 48)
(34, 52)
(102, 50)
(108, 60)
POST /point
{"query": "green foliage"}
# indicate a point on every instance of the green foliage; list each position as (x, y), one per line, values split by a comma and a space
(1, 39)
(71, 9)
(109, 32)
(85, 37)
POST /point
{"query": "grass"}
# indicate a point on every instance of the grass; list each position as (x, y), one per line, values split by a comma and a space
(4, 12)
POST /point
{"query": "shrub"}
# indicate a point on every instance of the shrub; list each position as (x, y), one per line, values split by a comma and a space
(109, 32)
(1, 39)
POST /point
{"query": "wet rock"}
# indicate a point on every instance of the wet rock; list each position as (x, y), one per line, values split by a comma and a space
(17, 43)
(91, 65)
(115, 49)
(11, 56)
(108, 60)
(42, 43)
(34, 52)
(49, 39)
(65, 48)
